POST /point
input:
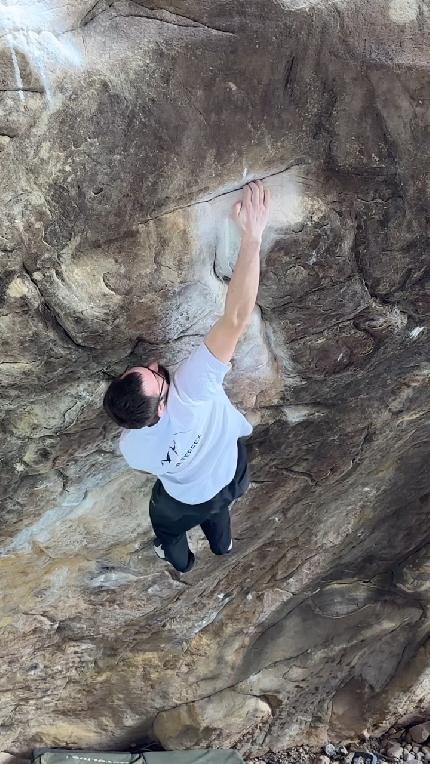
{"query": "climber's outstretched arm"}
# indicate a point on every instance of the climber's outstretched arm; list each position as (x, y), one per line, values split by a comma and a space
(251, 214)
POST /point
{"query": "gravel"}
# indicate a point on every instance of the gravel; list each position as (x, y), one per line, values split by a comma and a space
(397, 746)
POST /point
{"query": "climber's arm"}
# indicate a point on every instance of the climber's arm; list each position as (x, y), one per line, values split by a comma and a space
(251, 215)
(239, 304)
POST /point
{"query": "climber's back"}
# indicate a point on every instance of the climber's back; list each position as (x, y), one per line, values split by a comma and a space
(193, 446)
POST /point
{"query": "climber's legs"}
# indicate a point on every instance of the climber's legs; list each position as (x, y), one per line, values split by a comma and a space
(217, 530)
(176, 551)
(171, 519)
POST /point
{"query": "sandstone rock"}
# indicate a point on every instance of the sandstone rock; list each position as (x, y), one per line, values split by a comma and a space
(8, 758)
(225, 716)
(420, 732)
(118, 175)
(394, 750)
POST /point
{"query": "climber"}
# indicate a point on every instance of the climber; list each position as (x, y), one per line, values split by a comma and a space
(185, 430)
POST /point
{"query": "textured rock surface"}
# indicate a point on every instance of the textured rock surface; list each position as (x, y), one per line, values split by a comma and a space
(218, 720)
(115, 248)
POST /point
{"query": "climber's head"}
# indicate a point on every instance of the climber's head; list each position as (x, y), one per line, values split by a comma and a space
(138, 398)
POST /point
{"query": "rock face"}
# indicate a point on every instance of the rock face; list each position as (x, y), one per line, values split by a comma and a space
(115, 248)
(220, 720)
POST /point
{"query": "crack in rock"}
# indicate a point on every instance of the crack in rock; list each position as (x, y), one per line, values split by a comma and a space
(166, 17)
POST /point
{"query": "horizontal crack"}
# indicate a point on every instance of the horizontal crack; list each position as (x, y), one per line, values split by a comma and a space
(197, 27)
(170, 20)
(195, 21)
(296, 473)
(289, 166)
(22, 90)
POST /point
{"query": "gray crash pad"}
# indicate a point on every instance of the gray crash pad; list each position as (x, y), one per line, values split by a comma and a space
(200, 756)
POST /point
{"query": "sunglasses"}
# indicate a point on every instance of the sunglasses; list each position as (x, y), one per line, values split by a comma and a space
(163, 375)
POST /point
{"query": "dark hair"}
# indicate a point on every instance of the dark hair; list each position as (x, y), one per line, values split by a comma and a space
(127, 405)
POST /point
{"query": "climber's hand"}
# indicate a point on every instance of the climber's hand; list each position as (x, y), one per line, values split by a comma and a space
(252, 213)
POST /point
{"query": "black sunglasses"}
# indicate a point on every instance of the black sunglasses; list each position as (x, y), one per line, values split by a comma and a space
(164, 376)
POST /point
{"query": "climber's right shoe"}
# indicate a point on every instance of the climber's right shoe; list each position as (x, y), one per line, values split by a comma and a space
(158, 549)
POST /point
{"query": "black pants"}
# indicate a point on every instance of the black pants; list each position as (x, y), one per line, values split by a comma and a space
(171, 519)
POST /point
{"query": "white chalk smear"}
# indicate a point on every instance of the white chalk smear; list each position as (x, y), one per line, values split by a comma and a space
(303, 5)
(31, 30)
(403, 11)
(295, 414)
(216, 229)
(414, 333)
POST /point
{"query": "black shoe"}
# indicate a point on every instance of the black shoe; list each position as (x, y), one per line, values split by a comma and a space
(159, 551)
(191, 561)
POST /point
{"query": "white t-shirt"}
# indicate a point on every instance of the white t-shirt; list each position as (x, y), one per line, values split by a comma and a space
(193, 447)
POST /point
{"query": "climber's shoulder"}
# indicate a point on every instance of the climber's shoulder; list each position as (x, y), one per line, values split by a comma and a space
(201, 375)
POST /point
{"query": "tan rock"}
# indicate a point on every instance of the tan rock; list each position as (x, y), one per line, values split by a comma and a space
(116, 248)
(224, 718)
(9, 758)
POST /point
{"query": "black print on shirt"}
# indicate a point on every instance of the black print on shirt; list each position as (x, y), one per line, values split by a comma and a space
(187, 453)
(168, 458)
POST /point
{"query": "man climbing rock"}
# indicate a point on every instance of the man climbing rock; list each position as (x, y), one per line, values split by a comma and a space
(185, 430)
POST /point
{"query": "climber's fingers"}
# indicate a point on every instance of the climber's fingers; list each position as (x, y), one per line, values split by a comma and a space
(260, 188)
(267, 197)
(236, 210)
(255, 195)
(248, 195)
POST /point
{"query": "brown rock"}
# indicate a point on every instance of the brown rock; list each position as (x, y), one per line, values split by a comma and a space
(226, 716)
(115, 248)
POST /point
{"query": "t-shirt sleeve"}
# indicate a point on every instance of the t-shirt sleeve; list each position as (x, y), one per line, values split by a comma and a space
(130, 449)
(201, 376)
(124, 444)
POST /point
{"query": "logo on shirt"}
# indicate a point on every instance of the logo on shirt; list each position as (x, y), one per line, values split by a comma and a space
(190, 450)
(168, 458)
